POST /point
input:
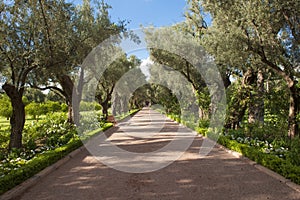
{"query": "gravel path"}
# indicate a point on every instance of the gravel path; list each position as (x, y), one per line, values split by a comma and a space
(219, 175)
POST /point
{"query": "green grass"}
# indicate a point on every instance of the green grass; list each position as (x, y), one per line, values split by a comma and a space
(5, 124)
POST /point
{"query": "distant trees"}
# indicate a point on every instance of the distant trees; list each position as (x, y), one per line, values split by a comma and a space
(34, 95)
(193, 73)
(37, 109)
(109, 79)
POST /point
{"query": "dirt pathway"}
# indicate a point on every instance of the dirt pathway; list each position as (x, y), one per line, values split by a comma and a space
(217, 176)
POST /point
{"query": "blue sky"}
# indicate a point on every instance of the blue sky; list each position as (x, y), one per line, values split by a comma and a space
(146, 12)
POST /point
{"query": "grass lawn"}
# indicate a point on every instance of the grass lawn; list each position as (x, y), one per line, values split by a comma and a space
(4, 123)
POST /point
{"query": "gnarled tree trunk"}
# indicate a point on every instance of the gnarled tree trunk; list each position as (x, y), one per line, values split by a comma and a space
(256, 104)
(73, 96)
(293, 111)
(105, 106)
(67, 87)
(17, 119)
(241, 101)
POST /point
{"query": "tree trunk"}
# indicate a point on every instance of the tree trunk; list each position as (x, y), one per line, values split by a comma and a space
(105, 109)
(70, 113)
(72, 96)
(294, 97)
(261, 91)
(115, 104)
(240, 102)
(293, 111)
(77, 96)
(124, 105)
(17, 119)
(256, 104)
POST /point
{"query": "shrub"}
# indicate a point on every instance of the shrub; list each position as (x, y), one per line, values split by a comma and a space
(51, 132)
(64, 107)
(284, 167)
(4, 138)
(37, 109)
(203, 127)
(5, 106)
(52, 106)
(203, 123)
(89, 106)
(90, 121)
(294, 153)
(33, 109)
(35, 165)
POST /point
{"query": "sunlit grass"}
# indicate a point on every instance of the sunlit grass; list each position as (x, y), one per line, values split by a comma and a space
(5, 124)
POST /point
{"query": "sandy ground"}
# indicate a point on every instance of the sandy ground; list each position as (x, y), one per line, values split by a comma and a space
(218, 175)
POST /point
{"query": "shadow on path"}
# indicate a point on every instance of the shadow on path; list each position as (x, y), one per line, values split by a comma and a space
(217, 176)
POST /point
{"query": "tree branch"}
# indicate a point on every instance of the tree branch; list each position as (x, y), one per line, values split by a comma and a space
(49, 88)
(47, 29)
(10, 64)
(292, 27)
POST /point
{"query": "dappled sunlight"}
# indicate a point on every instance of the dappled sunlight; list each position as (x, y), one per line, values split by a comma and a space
(218, 174)
(184, 181)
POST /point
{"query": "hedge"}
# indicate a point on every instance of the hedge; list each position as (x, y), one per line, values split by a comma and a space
(274, 163)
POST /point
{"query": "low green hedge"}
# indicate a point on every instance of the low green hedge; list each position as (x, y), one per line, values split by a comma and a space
(274, 163)
(40, 162)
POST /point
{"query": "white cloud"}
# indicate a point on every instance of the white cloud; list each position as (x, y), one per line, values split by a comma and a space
(145, 67)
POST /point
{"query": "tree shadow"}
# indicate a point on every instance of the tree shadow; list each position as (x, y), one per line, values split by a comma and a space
(218, 175)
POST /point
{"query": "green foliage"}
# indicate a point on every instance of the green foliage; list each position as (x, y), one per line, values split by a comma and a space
(110, 77)
(260, 35)
(52, 106)
(5, 106)
(64, 107)
(174, 117)
(204, 123)
(51, 132)
(284, 167)
(4, 139)
(268, 131)
(294, 153)
(33, 109)
(34, 95)
(36, 109)
(89, 121)
(89, 106)
(202, 131)
(34, 53)
(52, 96)
(202, 127)
(204, 101)
(39, 162)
